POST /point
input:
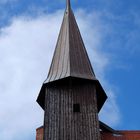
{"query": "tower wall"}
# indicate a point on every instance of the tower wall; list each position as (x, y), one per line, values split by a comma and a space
(61, 122)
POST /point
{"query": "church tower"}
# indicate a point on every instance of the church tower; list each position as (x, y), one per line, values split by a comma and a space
(71, 97)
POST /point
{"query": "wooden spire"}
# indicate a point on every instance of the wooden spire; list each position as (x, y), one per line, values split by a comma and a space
(70, 56)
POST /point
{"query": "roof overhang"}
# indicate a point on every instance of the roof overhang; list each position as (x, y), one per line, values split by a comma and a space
(105, 128)
(101, 95)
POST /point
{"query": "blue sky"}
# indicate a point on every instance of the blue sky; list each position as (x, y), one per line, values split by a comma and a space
(28, 34)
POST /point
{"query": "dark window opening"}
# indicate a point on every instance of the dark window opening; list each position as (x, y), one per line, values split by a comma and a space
(76, 108)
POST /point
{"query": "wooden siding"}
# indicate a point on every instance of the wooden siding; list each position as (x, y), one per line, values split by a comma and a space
(61, 123)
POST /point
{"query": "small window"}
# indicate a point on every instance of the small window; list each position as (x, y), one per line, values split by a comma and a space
(76, 108)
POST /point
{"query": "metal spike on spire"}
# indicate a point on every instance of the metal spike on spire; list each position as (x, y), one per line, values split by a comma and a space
(68, 4)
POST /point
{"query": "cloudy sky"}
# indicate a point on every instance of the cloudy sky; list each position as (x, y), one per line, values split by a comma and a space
(28, 35)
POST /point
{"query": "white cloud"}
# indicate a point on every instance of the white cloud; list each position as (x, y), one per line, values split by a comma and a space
(26, 48)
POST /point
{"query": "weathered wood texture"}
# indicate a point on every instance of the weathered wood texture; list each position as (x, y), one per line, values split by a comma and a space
(61, 123)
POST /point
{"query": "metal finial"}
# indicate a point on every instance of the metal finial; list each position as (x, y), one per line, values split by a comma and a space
(68, 4)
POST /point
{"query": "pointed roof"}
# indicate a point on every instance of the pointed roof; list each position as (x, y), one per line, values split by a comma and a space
(70, 59)
(70, 56)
